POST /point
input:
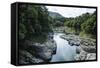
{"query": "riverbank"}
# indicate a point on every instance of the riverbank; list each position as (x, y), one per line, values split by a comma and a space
(35, 52)
(86, 47)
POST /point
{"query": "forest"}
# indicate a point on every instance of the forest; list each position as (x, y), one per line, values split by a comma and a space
(85, 23)
(34, 20)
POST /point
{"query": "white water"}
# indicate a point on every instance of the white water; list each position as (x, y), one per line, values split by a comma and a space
(64, 52)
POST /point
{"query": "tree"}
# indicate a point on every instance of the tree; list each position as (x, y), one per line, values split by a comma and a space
(85, 22)
(33, 20)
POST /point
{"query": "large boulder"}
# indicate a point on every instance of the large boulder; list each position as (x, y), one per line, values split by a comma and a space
(85, 56)
(78, 50)
(88, 45)
(38, 52)
(91, 56)
(86, 50)
(72, 39)
(81, 56)
(26, 57)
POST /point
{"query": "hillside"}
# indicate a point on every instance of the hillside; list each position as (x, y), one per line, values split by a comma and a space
(55, 15)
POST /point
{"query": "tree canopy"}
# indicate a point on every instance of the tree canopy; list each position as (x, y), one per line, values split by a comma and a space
(33, 20)
(85, 22)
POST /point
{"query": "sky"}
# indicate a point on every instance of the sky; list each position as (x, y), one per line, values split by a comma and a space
(70, 11)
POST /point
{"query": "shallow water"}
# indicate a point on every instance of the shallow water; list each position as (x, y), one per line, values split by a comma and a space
(64, 52)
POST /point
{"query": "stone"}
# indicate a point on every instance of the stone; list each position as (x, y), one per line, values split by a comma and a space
(91, 56)
(72, 39)
(35, 52)
(26, 57)
(78, 50)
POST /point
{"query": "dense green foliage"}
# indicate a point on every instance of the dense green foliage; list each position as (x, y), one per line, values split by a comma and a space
(57, 19)
(37, 20)
(89, 26)
(33, 20)
(86, 22)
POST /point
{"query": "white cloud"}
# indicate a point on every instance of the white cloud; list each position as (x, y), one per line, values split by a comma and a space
(70, 11)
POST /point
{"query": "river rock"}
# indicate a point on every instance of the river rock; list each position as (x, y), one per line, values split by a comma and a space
(81, 56)
(78, 50)
(85, 56)
(26, 57)
(72, 39)
(86, 50)
(37, 52)
(91, 56)
(86, 47)
(89, 49)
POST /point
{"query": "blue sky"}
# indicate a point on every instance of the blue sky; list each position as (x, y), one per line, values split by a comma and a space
(70, 11)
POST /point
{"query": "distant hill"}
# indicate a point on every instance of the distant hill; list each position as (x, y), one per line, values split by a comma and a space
(55, 15)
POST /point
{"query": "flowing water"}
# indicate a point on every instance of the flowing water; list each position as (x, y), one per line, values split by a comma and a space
(64, 52)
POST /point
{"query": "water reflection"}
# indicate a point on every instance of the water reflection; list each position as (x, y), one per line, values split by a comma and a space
(65, 52)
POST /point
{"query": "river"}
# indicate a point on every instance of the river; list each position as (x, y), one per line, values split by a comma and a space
(64, 52)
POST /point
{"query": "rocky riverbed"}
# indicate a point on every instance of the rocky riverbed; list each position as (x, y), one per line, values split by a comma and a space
(34, 52)
(86, 47)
